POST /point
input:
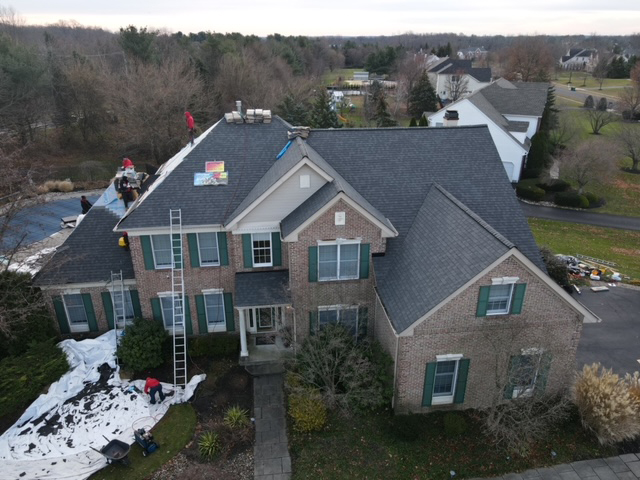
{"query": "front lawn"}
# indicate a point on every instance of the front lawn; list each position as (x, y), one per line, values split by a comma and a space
(172, 433)
(416, 446)
(611, 244)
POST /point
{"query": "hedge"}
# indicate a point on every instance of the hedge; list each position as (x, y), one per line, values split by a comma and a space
(594, 200)
(213, 345)
(571, 199)
(23, 377)
(554, 186)
(529, 192)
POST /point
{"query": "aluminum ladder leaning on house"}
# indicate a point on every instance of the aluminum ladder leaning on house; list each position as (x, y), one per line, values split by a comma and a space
(177, 296)
(117, 299)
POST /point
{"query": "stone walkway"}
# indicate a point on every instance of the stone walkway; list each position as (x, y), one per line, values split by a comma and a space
(623, 467)
(271, 450)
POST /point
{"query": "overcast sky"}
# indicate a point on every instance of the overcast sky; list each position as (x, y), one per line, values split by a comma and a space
(345, 17)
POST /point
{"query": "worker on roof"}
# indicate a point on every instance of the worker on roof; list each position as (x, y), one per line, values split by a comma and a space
(191, 126)
(86, 204)
(126, 162)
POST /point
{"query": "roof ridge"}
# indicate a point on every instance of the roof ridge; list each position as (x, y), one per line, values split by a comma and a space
(474, 216)
(377, 129)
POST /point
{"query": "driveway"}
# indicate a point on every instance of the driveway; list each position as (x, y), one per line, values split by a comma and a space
(578, 216)
(614, 342)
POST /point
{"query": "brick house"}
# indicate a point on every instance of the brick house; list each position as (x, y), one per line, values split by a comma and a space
(411, 236)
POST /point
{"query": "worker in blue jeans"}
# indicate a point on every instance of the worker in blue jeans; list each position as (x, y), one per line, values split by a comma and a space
(151, 387)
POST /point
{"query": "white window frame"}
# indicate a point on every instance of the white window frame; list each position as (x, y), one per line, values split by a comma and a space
(164, 319)
(75, 327)
(440, 399)
(511, 281)
(253, 251)
(153, 250)
(524, 391)
(339, 309)
(339, 243)
(127, 294)
(214, 264)
(215, 327)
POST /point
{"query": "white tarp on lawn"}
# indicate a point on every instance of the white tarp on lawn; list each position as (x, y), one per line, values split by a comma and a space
(52, 439)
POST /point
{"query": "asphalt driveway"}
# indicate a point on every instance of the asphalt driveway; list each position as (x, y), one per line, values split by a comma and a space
(615, 341)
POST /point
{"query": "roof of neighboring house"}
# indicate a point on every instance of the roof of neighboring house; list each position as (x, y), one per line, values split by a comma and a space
(517, 98)
(256, 289)
(515, 126)
(452, 66)
(459, 244)
(90, 253)
(578, 53)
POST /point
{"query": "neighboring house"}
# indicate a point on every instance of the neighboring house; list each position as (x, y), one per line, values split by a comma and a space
(453, 79)
(411, 236)
(361, 76)
(337, 98)
(579, 59)
(472, 53)
(512, 111)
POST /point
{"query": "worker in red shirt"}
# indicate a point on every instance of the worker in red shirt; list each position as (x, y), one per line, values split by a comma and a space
(191, 126)
(151, 387)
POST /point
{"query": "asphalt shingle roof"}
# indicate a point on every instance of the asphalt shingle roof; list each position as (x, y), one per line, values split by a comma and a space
(90, 253)
(527, 98)
(453, 66)
(255, 289)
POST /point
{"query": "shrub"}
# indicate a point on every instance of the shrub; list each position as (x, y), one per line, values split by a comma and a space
(602, 104)
(554, 185)
(454, 424)
(141, 346)
(57, 186)
(308, 410)
(406, 428)
(607, 404)
(236, 417)
(213, 345)
(571, 199)
(556, 268)
(22, 377)
(588, 102)
(594, 200)
(209, 445)
(634, 282)
(529, 192)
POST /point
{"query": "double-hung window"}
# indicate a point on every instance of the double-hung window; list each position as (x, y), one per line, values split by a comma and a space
(445, 378)
(504, 296)
(261, 249)
(525, 371)
(129, 313)
(214, 309)
(76, 313)
(499, 299)
(161, 250)
(208, 249)
(167, 304)
(338, 260)
(345, 315)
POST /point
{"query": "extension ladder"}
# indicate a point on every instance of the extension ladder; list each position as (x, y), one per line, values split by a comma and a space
(177, 295)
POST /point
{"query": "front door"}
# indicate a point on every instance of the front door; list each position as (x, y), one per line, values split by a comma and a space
(263, 319)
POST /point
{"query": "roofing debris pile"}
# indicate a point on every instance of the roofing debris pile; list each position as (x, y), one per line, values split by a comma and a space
(592, 268)
(54, 436)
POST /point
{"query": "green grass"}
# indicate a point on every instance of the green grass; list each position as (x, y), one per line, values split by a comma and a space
(578, 80)
(416, 446)
(619, 246)
(331, 78)
(172, 433)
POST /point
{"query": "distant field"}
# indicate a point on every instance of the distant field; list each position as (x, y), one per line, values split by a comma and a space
(586, 80)
(339, 75)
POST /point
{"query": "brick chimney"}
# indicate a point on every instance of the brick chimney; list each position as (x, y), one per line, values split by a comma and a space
(451, 118)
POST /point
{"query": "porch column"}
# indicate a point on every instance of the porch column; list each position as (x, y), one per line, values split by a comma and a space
(243, 335)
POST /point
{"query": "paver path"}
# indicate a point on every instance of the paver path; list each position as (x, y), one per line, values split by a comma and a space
(623, 467)
(271, 450)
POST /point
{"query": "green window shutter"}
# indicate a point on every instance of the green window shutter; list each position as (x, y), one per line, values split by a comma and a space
(518, 298)
(228, 312)
(514, 366)
(313, 264)
(365, 248)
(107, 303)
(202, 314)
(461, 382)
(91, 314)
(543, 373)
(135, 299)
(483, 300)
(276, 249)
(156, 309)
(147, 252)
(363, 320)
(247, 250)
(187, 316)
(61, 314)
(429, 379)
(222, 249)
(313, 322)
(194, 254)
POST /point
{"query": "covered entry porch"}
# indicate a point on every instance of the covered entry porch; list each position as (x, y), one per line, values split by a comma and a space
(265, 315)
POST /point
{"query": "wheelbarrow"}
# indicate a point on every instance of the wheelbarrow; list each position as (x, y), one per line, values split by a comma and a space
(115, 451)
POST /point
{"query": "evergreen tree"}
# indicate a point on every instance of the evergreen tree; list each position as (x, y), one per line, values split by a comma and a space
(588, 102)
(413, 122)
(539, 158)
(381, 115)
(549, 119)
(293, 111)
(602, 105)
(422, 97)
(423, 122)
(322, 116)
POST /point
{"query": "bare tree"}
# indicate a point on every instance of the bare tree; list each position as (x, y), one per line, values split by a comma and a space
(629, 101)
(598, 119)
(564, 131)
(629, 139)
(601, 69)
(457, 85)
(591, 161)
(529, 60)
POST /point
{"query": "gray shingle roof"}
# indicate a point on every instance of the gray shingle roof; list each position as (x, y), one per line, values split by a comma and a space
(528, 98)
(515, 126)
(453, 66)
(255, 289)
(89, 254)
(445, 247)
